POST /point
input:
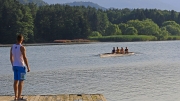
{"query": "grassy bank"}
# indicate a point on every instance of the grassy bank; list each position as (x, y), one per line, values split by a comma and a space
(124, 38)
(173, 38)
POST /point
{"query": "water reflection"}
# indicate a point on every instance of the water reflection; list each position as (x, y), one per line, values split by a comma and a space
(151, 75)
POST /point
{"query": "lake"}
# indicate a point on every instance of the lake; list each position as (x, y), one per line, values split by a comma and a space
(152, 74)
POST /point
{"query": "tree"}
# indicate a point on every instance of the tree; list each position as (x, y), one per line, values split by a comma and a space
(150, 28)
(173, 23)
(173, 30)
(159, 18)
(123, 27)
(163, 34)
(138, 25)
(172, 27)
(173, 15)
(178, 19)
(26, 25)
(131, 31)
(104, 22)
(112, 30)
(94, 22)
(38, 2)
(15, 19)
(140, 14)
(95, 34)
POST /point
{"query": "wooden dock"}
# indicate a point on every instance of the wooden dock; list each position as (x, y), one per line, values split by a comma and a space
(61, 97)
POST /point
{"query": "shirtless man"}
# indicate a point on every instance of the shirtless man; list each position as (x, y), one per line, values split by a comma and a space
(126, 50)
(117, 50)
(122, 50)
(114, 50)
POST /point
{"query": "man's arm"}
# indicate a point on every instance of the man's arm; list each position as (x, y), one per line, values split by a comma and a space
(23, 50)
(11, 57)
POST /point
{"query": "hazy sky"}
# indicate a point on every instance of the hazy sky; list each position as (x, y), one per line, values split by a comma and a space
(102, 1)
(172, 4)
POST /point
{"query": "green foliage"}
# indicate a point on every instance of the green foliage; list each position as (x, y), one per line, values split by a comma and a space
(173, 23)
(145, 27)
(98, 20)
(150, 28)
(131, 31)
(178, 18)
(26, 24)
(86, 4)
(123, 27)
(15, 19)
(163, 34)
(112, 29)
(173, 38)
(173, 30)
(95, 34)
(52, 22)
(138, 25)
(38, 2)
(172, 27)
(124, 38)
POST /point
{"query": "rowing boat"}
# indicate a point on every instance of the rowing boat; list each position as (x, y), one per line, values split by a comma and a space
(115, 54)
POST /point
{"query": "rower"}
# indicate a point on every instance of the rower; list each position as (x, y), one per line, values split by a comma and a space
(117, 50)
(114, 50)
(122, 50)
(126, 50)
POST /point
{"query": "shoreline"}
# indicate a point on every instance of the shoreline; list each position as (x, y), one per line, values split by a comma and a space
(45, 44)
(69, 43)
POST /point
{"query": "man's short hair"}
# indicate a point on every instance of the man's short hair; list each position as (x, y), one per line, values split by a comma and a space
(19, 37)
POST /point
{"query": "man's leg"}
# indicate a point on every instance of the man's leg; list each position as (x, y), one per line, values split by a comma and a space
(20, 87)
(16, 88)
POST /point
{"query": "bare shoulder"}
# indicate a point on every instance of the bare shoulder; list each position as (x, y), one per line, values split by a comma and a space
(23, 48)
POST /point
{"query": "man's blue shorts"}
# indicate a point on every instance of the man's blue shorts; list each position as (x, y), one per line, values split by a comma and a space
(19, 73)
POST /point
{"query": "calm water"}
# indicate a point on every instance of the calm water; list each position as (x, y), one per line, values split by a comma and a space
(152, 74)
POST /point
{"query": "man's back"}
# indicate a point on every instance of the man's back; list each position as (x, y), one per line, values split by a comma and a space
(17, 55)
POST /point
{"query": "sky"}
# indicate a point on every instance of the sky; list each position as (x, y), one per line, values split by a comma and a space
(171, 4)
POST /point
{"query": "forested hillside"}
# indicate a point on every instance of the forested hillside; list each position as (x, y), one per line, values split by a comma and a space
(38, 2)
(86, 4)
(52, 22)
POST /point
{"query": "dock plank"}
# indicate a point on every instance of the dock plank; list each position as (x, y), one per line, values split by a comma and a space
(29, 97)
(77, 97)
(98, 97)
(6, 98)
(41, 98)
(94, 97)
(37, 98)
(46, 98)
(32, 98)
(54, 97)
(71, 97)
(49, 98)
(102, 97)
(2, 98)
(61, 97)
(84, 97)
(66, 97)
(89, 97)
(10, 98)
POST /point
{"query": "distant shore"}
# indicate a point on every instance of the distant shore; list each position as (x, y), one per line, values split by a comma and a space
(44, 44)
